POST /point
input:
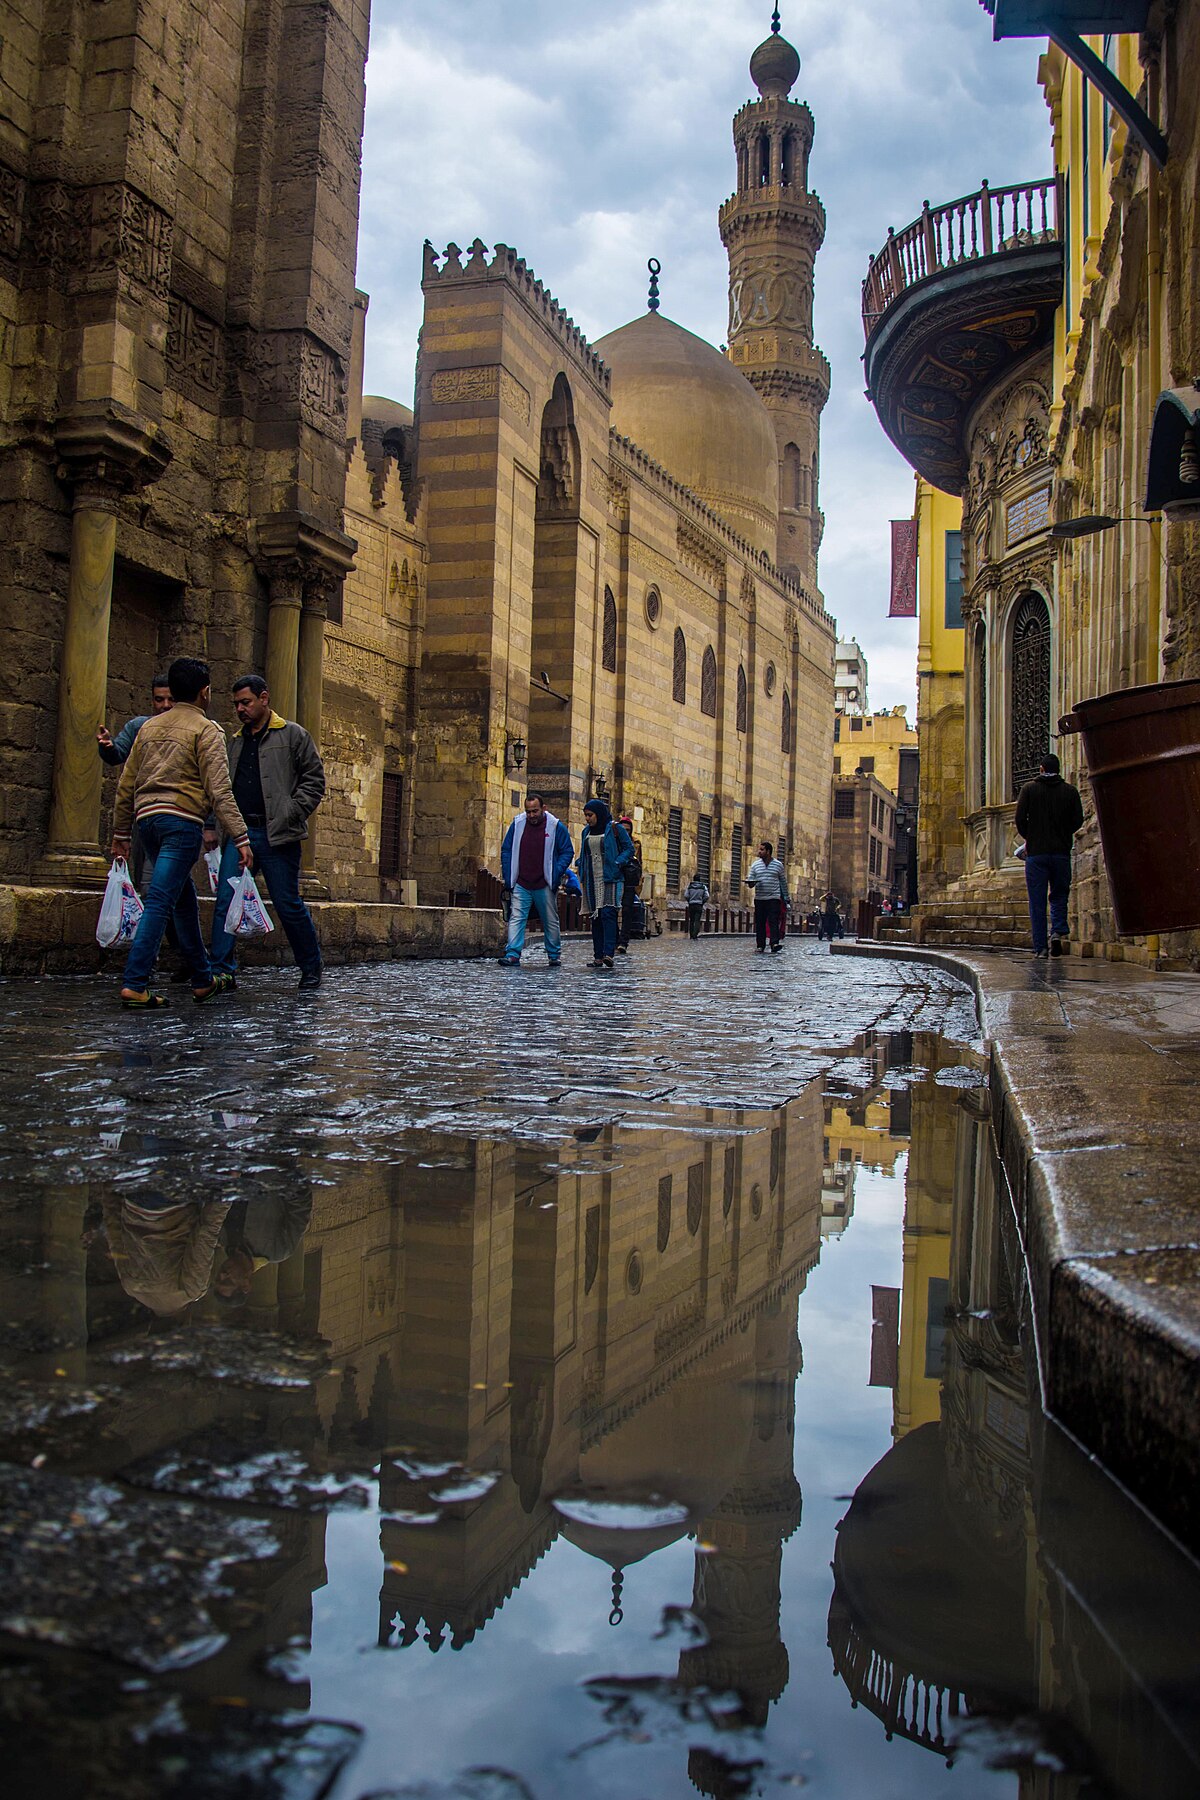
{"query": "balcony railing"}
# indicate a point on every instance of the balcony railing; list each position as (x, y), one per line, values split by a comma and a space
(979, 225)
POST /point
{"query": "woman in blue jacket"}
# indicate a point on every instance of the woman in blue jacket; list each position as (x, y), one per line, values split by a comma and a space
(603, 857)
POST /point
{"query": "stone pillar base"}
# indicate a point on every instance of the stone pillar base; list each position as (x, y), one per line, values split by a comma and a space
(312, 887)
(72, 866)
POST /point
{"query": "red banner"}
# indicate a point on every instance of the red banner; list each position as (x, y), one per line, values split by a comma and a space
(904, 569)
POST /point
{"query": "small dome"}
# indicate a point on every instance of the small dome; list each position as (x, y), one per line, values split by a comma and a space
(686, 405)
(390, 415)
(774, 67)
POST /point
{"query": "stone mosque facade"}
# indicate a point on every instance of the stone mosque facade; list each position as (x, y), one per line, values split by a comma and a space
(570, 567)
(587, 567)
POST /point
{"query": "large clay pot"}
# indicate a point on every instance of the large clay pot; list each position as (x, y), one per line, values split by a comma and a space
(1143, 754)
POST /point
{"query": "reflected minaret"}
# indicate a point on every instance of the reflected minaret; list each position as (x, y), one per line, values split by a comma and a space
(736, 1593)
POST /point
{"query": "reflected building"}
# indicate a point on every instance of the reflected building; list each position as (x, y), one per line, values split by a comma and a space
(977, 1569)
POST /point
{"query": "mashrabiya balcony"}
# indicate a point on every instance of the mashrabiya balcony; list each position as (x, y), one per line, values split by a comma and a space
(948, 304)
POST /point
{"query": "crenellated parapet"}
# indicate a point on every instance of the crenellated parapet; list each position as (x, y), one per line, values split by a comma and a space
(627, 458)
(447, 269)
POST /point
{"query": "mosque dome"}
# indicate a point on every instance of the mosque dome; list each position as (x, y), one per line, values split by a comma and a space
(686, 405)
(391, 415)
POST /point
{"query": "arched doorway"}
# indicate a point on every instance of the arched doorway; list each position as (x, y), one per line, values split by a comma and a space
(1029, 690)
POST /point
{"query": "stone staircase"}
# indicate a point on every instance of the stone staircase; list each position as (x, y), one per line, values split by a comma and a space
(987, 911)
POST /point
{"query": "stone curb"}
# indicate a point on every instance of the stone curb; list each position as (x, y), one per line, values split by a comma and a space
(52, 931)
(1110, 1229)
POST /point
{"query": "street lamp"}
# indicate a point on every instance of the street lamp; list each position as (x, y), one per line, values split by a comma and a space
(1092, 524)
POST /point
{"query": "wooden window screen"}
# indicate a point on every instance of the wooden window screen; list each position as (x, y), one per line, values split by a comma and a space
(741, 698)
(674, 847)
(389, 826)
(609, 650)
(679, 669)
(704, 848)
(708, 684)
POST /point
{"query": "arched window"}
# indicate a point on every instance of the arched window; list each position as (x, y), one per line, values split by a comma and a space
(708, 684)
(764, 160)
(789, 159)
(741, 698)
(609, 648)
(1030, 665)
(664, 1212)
(792, 477)
(785, 734)
(679, 671)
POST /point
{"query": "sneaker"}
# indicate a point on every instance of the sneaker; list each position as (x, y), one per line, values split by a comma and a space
(308, 981)
(1060, 946)
(509, 962)
(621, 950)
(1040, 955)
(554, 962)
(608, 962)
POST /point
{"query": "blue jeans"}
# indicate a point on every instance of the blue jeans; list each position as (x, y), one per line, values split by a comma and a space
(546, 907)
(1051, 873)
(172, 845)
(604, 933)
(279, 867)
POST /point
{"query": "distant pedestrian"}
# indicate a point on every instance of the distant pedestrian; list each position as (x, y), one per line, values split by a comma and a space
(769, 881)
(604, 855)
(278, 781)
(829, 920)
(175, 775)
(534, 860)
(1049, 813)
(114, 751)
(630, 888)
(696, 898)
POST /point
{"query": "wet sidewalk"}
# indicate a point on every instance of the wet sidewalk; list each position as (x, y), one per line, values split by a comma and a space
(1095, 1090)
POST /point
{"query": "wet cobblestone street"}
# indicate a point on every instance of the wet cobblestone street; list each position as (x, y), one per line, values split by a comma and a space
(457, 1384)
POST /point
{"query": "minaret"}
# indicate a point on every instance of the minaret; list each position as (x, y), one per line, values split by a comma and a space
(772, 229)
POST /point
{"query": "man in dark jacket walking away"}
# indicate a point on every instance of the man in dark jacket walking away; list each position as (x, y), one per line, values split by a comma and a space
(278, 780)
(1049, 813)
(696, 898)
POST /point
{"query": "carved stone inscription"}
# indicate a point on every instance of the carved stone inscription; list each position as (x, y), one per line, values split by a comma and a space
(194, 350)
(451, 387)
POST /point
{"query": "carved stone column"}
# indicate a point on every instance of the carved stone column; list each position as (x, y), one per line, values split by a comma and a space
(286, 589)
(310, 686)
(103, 455)
(305, 563)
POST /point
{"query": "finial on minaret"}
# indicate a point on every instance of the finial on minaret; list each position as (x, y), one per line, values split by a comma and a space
(617, 1614)
(775, 22)
(655, 268)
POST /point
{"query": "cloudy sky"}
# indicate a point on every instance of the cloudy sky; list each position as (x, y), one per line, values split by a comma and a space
(592, 134)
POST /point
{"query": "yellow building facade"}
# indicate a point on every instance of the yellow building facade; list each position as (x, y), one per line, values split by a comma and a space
(1025, 380)
(940, 682)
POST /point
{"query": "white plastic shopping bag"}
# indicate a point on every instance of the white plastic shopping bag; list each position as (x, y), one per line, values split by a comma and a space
(121, 907)
(212, 862)
(247, 916)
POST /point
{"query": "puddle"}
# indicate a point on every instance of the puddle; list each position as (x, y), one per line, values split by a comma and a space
(506, 1459)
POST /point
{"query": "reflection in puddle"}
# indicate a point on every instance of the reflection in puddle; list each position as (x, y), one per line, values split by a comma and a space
(474, 1468)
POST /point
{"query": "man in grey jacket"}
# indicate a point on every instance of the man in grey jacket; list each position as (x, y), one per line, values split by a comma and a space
(769, 882)
(278, 780)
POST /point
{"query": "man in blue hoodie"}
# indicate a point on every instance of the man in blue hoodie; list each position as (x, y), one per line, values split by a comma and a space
(535, 855)
(604, 854)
